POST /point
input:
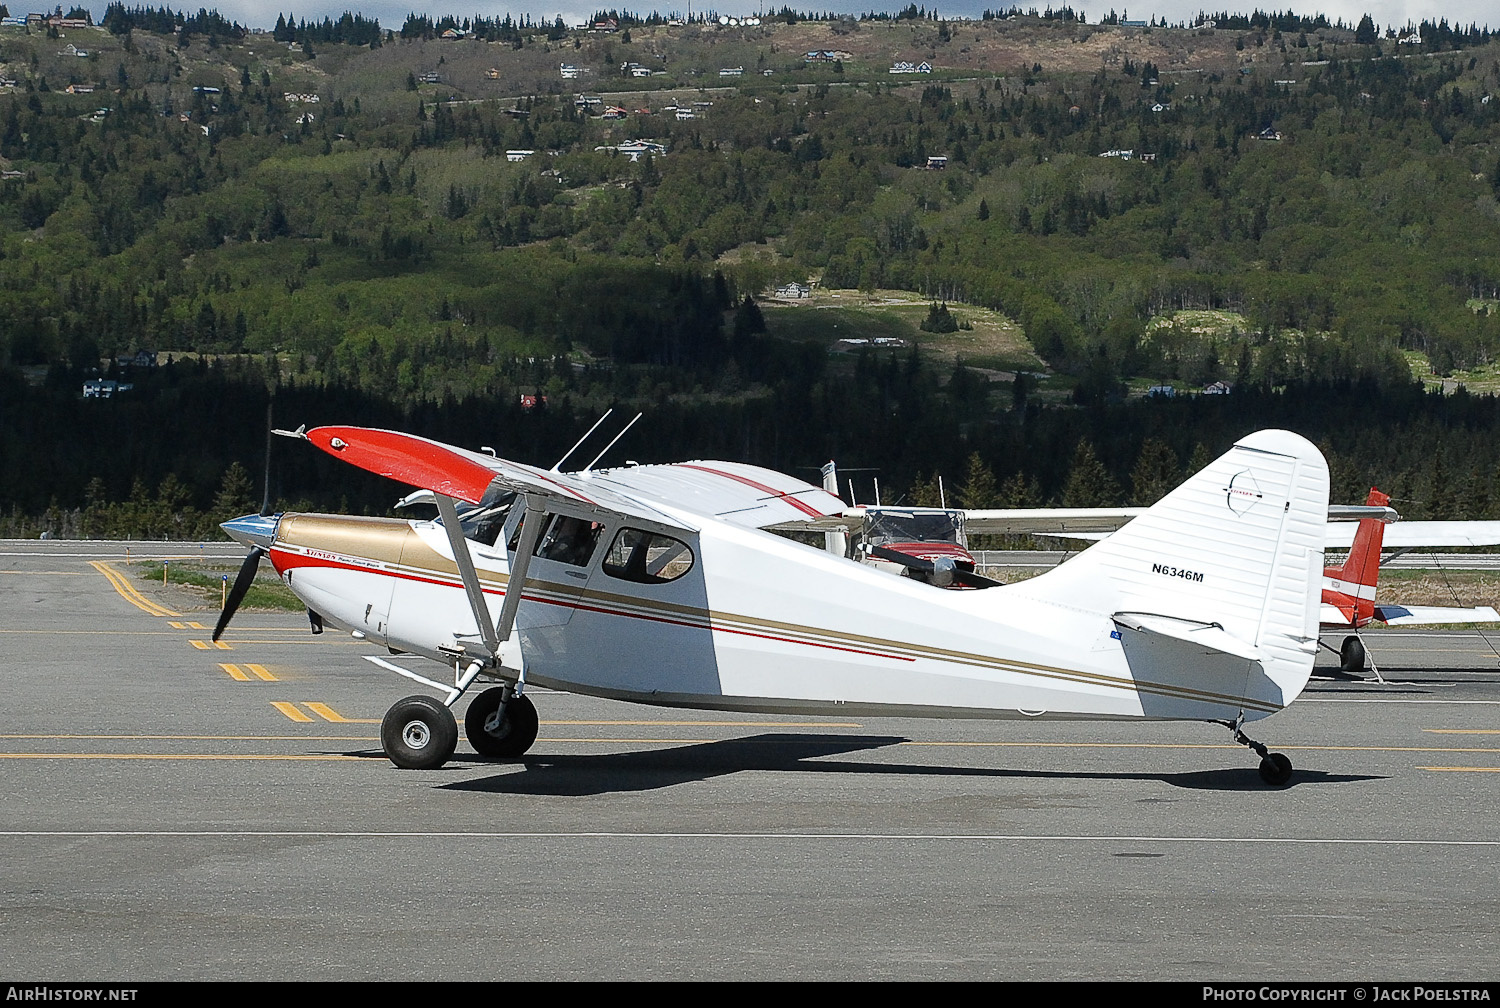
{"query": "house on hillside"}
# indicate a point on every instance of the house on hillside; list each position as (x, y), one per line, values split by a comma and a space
(104, 388)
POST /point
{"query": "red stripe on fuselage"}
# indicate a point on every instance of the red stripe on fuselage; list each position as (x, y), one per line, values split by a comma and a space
(281, 560)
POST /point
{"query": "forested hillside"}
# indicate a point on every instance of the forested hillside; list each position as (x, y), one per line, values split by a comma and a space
(388, 226)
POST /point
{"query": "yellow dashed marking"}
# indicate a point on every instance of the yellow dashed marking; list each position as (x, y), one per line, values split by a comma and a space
(234, 672)
(329, 714)
(291, 711)
(259, 671)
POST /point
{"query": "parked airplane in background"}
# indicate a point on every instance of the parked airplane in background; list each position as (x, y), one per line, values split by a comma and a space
(1349, 590)
(931, 544)
(659, 584)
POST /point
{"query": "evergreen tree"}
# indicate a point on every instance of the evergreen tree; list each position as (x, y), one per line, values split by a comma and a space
(1156, 473)
(1089, 483)
(979, 489)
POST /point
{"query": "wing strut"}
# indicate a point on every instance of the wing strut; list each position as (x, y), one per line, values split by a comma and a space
(520, 560)
(492, 634)
(466, 572)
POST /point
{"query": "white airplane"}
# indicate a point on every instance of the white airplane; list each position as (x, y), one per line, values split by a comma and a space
(659, 584)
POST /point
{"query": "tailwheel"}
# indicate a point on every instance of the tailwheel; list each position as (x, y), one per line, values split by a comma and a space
(1276, 769)
(497, 726)
(1352, 655)
(418, 733)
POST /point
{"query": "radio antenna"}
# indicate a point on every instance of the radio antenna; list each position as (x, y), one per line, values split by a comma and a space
(612, 443)
(558, 466)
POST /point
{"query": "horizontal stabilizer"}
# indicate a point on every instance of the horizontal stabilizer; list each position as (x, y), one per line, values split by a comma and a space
(1397, 615)
(1211, 637)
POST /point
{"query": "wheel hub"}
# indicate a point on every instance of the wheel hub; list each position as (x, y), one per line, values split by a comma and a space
(416, 734)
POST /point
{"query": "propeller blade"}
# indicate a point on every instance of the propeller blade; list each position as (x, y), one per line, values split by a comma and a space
(242, 582)
(265, 501)
(904, 559)
(971, 580)
(964, 577)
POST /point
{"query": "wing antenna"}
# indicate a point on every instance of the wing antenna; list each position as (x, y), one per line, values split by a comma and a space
(580, 441)
(612, 443)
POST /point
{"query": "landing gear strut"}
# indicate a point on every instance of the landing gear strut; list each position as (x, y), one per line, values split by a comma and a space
(501, 722)
(1275, 768)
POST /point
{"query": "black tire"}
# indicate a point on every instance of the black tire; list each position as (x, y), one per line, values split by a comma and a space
(517, 730)
(418, 733)
(1352, 655)
(1276, 769)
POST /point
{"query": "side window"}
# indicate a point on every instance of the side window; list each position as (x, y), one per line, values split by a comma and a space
(646, 557)
(569, 540)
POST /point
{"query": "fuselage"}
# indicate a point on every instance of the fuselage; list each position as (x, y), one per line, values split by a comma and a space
(733, 618)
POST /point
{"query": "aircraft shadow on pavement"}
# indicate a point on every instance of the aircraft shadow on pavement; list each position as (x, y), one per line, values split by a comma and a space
(653, 769)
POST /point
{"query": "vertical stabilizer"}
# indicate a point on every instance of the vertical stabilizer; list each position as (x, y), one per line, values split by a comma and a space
(1351, 587)
(1231, 560)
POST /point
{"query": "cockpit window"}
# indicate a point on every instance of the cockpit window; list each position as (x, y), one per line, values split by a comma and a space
(569, 540)
(646, 557)
(483, 522)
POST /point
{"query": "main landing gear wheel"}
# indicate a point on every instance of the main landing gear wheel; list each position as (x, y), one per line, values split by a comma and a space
(1352, 655)
(418, 733)
(1275, 769)
(513, 735)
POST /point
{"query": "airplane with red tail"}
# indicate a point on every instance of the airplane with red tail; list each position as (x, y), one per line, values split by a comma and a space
(1349, 590)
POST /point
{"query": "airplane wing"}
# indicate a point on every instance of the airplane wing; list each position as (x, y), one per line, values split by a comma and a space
(1423, 534)
(1397, 615)
(1086, 524)
(466, 475)
(744, 494)
(1096, 523)
(733, 491)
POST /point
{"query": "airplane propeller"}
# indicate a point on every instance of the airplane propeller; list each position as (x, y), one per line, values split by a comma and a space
(941, 573)
(242, 582)
(254, 531)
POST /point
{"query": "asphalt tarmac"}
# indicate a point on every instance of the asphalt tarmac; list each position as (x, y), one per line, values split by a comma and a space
(174, 810)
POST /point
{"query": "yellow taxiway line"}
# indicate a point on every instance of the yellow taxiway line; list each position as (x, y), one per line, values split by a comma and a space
(127, 590)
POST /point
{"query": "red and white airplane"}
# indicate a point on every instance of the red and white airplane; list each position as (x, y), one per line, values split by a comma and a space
(659, 584)
(1349, 590)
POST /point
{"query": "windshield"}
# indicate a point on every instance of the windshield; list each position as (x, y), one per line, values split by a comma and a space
(914, 526)
(483, 522)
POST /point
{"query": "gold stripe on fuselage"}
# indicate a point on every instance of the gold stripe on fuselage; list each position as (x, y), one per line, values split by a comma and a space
(391, 546)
